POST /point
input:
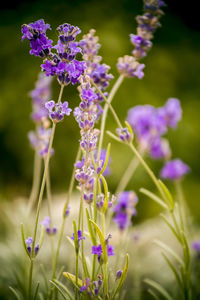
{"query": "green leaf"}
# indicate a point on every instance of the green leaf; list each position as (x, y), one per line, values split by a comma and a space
(167, 193)
(153, 294)
(41, 240)
(113, 136)
(23, 240)
(92, 236)
(105, 204)
(36, 291)
(41, 296)
(15, 293)
(106, 159)
(153, 197)
(171, 227)
(174, 271)
(170, 251)
(61, 286)
(44, 276)
(122, 278)
(102, 241)
(72, 278)
(159, 288)
(76, 244)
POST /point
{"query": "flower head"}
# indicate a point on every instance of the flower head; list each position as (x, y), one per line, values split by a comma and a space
(129, 67)
(174, 169)
(171, 112)
(47, 224)
(57, 110)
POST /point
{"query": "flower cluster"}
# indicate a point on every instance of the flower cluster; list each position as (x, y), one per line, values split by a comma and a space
(29, 242)
(80, 236)
(101, 199)
(40, 140)
(147, 25)
(47, 224)
(174, 170)
(123, 134)
(57, 110)
(125, 209)
(97, 250)
(61, 63)
(94, 69)
(150, 124)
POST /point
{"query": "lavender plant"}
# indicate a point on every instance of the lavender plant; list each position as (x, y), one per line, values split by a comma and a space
(94, 277)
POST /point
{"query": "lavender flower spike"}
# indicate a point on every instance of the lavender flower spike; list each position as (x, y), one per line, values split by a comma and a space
(57, 111)
(174, 170)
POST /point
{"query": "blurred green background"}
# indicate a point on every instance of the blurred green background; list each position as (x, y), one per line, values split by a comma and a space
(172, 70)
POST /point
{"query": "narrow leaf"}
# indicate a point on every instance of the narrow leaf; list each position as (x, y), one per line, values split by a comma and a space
(92, 236)
(153, 294)
(122, 278)
(153, 197)
(23, 240)
(14, 293)
(171, 227)
(106, 159)
(167, 193)
(170, 251)
(72, 278)
(102, 241)
(44, 276)
(113, 136)
(36, 291)
(61, 286)
(174, 271)
(105, 204)
(76, 244)
(159, 288)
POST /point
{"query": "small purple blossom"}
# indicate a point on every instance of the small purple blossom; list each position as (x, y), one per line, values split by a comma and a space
(196, 246)
(36, 34)
(29, 242)
(124, 134)
(171, 112)
(57, 110)
(174, 170)
(125, 209)
(47, 224)
(67, 211)
(80, 236)
(97, 250)
(118, 274)
(86, 286)
(129, 67)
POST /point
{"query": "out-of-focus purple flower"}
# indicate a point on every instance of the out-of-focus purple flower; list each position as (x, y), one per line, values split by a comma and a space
(159, 148)
(80, 236)
(40, 140)
(29, 242)
(47, 224)
(57, 110)
(125, 209)
(196, 247)
(102, 159)
(118, 274)
(129, 67)
(174, 170)
(141, 45)
(97, 250)
(86, 286)
(67, 211)
(36, 34)
(171, 112)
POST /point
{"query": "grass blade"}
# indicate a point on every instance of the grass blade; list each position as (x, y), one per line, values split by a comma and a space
(15, 293)
(170, 251)
(153, 197)
(158, 288)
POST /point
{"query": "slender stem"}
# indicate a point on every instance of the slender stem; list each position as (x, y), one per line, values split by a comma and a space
(36, 181)
(76, 295)
(42, 192)
(182, 203)
(103, 120)
(71, 185)
(30, 279)
(127, 175)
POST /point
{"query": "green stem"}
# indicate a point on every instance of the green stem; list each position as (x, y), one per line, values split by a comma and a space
(36, 182)
(71, 185)
(30, 278)
(42, 192)
(106, 107)
(76, 295)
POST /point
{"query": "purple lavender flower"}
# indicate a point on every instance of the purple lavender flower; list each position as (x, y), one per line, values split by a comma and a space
(159, 148)
(80, 236)
(196, 247)
(86, 286)
(67, 211)
(97, 250)
(141, 45)
(124, 134)
(125, 209)
(57, 110)
(118, 274)
(171, 112)
(29, 242)
(36, 34)
(47, 224)
(129, 67)
(174, 170)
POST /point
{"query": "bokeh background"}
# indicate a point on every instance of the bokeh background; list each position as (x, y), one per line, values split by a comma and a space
(172, 70)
